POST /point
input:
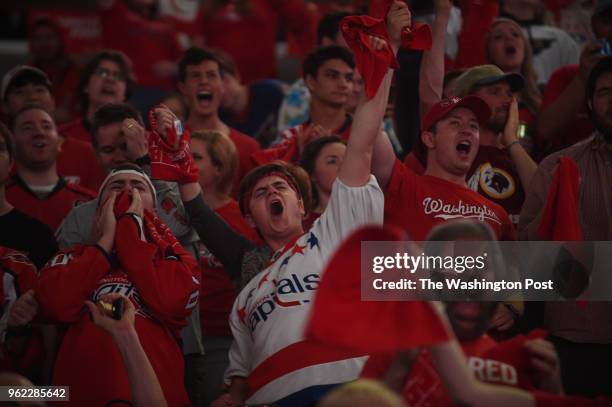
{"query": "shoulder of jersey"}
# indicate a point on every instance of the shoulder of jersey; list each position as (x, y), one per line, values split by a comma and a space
(87, 194)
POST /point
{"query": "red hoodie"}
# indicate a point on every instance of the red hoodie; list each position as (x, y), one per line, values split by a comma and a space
(164, 289)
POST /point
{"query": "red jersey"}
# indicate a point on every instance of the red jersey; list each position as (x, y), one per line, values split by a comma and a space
(146, 42)
(494, 176)
(417, 203)
(287, 148)
(53, 208)
(163, 286)
(503, 363)
(250, 36)
(17, 276)
(218, 292)
(78, 164)
(76, 130)
(245, 147)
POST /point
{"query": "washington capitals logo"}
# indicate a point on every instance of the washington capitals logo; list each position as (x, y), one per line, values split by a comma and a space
(293, 286)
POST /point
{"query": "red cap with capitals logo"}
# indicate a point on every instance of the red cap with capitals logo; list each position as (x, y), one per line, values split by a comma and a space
(441, 109)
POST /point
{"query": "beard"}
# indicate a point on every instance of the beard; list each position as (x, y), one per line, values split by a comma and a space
(602, 127)
(497, 122)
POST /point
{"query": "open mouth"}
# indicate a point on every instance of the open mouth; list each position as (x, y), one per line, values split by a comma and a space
(464, 147)
(510, 50)
(108, 91)
(276, 207)
(204, 96)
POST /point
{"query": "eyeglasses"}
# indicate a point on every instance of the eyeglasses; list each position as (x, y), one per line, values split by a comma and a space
(106, 73)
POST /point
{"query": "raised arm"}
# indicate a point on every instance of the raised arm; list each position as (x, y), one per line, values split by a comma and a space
(358, 162)
(144, 383)
(223, 242)
(168, 283)
(525, 166)
(559, 113)
(431, 74)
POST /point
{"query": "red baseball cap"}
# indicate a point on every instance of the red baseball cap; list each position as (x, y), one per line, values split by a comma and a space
(441, 109)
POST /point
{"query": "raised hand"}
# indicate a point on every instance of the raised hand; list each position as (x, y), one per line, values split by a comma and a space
(309, 134)
(545, 362)
(164, 122)
(23, 310)
(106, 223)
(398, 18)
(512, 124)
(135, 141)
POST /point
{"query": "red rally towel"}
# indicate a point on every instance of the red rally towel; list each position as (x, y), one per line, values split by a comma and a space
(562, 203)
(417, 37)
(372, 64)
(340, 318)
(156, 230)
(167, 162)
(512, 352)
(561, 217)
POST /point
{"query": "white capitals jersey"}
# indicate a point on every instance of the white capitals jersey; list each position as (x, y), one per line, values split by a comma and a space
(269, 315)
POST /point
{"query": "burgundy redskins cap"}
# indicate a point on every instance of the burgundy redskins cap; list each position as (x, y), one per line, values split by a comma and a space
(441, 109)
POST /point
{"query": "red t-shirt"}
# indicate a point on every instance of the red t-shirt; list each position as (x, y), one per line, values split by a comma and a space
(287, 149)
(494, 176)
(76, 130)
(505, 363)
(245, 146)
(78, 164)
(417, 203)
(218, 292)
(54, 207)
(250, 37)
(578, 128)
(146, 42)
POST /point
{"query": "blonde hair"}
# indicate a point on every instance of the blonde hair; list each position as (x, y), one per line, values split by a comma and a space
(223, 155)
(362, 393)
(531, 96)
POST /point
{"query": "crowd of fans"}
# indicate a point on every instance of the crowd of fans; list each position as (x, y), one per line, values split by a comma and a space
(168, 208)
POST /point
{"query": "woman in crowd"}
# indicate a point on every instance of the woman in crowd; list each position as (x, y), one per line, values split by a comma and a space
(216, 160)
(321, 159)
(508, 48)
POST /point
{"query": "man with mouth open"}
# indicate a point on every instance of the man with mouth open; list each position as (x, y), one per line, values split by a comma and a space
(502, 169)
(201, 84)
(36, 188)
(529, 362)
(270, 361)
(419, 202)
